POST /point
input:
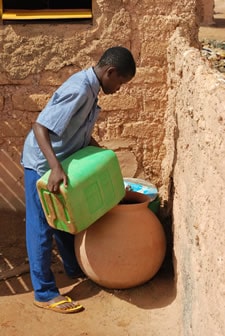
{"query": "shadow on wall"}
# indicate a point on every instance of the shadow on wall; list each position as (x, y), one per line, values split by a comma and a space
(11, 181)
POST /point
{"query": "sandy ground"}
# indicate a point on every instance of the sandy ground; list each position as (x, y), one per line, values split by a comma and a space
(151, 309)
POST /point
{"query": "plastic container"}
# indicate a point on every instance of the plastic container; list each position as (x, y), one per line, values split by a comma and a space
(141, 186)
(146, 188)
(95, 186)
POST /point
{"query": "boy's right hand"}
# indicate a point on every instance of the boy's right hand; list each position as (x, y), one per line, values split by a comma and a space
(57, 176)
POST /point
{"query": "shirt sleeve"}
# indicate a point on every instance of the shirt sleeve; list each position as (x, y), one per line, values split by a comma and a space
(60, 109)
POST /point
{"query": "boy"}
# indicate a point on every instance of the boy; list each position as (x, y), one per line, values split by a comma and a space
(64, 126)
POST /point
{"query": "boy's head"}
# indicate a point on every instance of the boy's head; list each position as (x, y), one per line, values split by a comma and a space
(115, 67)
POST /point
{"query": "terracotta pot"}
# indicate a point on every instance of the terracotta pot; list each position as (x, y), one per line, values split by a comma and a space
(125, 247)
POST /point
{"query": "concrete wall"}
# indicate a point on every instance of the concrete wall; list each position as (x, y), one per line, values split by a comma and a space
(195, 145)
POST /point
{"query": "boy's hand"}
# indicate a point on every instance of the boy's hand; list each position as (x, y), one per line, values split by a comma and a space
(57, 176)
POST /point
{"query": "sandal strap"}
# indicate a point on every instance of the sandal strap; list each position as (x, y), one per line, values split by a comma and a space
(55, 304)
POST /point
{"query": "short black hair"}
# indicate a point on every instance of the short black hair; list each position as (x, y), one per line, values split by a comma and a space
(121, 58)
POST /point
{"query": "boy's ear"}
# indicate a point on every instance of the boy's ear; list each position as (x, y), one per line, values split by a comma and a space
(111, 70)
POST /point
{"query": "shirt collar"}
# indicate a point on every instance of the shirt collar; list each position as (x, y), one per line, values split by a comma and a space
(93, 80)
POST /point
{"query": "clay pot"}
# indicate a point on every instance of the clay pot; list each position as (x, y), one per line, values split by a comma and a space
(125, 247)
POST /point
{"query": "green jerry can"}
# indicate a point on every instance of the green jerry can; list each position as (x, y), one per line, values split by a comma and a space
(95, 185)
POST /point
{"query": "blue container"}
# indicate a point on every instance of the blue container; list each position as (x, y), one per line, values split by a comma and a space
(144, 187)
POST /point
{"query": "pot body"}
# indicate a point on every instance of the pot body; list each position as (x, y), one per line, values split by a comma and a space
(125, 247)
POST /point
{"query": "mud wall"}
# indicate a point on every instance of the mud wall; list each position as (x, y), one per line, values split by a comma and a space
(36, 58)
(167, 126)
(207, 8)
(195, 146)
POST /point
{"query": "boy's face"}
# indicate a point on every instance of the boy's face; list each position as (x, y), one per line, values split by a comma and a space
(111, 81)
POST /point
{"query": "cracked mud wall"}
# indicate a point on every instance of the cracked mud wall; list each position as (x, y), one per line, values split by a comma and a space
(196, 156)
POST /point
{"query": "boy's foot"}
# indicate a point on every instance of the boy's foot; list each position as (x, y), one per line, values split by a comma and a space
(61, 304)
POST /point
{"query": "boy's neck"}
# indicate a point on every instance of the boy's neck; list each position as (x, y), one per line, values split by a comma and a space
(97, 74)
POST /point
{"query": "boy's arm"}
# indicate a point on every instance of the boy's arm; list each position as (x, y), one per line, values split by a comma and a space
(57, 174)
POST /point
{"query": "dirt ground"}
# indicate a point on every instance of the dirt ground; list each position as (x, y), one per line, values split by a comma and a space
(151, 309)
(136, 311)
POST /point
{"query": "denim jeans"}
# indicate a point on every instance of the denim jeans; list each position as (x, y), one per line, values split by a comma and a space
(39, 240)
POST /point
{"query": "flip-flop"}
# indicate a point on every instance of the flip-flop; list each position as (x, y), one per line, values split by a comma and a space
(56, 306)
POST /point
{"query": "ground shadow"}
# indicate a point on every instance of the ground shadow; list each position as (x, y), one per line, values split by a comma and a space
(158, 292)
(15, 278)
(219, 23)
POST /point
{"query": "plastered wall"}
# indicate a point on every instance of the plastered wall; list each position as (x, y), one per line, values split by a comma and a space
(195, 145)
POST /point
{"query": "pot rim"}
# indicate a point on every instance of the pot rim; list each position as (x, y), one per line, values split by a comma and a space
(136, 198)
